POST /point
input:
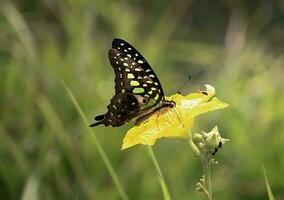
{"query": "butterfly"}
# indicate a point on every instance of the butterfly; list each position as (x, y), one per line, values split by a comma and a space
(138, 91)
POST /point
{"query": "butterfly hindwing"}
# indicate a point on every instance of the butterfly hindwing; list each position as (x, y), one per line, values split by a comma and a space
(123, 107)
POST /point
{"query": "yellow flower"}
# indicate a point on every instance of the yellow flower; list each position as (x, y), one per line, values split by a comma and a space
(176, 122)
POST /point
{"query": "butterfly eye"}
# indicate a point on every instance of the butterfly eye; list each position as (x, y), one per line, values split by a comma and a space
(144, 100)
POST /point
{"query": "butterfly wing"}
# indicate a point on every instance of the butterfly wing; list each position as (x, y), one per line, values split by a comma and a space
(137, 88)
(133, 74)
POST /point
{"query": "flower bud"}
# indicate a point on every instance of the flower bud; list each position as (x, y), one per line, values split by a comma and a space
(214, 141)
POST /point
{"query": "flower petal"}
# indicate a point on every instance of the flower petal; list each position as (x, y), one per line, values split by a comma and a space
(176, 122)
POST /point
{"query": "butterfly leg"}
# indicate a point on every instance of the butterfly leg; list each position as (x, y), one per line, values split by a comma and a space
(142, 119)
(157, 122)
(177, 115)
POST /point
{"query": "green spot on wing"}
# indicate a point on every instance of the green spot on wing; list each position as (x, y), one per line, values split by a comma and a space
(134, 83)
(156, 97)
(138, 90)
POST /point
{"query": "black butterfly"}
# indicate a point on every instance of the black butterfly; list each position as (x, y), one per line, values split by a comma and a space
(138, 92)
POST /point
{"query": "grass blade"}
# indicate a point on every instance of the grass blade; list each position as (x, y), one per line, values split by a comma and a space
(269, 191)
(31, 188)
(21, 28)
(98, 145)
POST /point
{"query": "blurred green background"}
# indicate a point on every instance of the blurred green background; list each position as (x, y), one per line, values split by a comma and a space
(46, 151)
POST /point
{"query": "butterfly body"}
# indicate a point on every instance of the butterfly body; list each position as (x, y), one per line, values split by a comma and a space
(138, 92)
(160, 110)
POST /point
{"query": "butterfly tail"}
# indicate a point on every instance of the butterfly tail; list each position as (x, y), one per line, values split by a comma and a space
(100, 119)
(96, 124)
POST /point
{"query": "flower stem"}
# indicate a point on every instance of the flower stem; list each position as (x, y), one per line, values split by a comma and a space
(207, 176)
(205, 146)
(193, 146)
(160, 176)
(208, 182)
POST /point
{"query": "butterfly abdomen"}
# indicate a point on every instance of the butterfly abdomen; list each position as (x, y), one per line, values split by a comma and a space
(159, 110)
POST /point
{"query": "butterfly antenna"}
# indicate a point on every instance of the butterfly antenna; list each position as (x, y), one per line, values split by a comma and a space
(185, 82)
(179, 90)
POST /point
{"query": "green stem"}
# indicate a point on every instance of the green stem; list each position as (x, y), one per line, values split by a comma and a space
(207, 176)
(209, 183)
(193, 146)
(206, 165)
(160, 176)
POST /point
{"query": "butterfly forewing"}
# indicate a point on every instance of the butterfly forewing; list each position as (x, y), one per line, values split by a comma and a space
(133, 74)
(137, 89)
